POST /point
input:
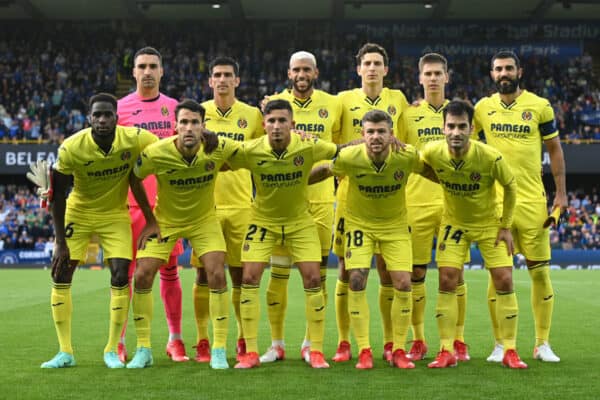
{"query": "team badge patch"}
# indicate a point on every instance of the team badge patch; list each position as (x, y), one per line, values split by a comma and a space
(338, 241)
(348, 254)
(209, 166)
(126, 155)
(391, 110)
(442, 247)
(164, 111)
(298, 161)
(246, 247)
(242, 123)
(526, 116)
(475, 176)
(323, 113)
(398, 175)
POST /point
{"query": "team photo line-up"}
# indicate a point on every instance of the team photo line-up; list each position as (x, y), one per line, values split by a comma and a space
(250, 187)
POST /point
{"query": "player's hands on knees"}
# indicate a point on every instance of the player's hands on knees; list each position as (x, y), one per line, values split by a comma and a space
(151, 231)
(397, 144)
(61, 259)
(505, 236)
(210, 141)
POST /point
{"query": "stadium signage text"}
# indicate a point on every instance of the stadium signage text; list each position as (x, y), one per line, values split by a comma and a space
(15, 159)
(463, 31)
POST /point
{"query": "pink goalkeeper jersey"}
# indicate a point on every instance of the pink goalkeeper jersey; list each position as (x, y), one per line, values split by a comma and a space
(156, 115)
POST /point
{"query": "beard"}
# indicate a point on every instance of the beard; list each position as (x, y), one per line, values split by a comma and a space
(309, 86)
(509, 88)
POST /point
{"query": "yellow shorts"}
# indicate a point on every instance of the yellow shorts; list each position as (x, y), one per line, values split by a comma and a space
(454, 242)
(205, 236)
(339, 231)
(531, 239)
(114, 232)
(234, 223)
(424, 224)
(393, 244)
(300, 239)
(322, 214)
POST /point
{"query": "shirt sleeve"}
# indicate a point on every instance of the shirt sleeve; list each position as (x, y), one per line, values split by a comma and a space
(63, 161)
(547, 124)
(502, 173)
(338, 167)
(238, 157)
(323, 150)
(418, 165)
(146, 138)
(144, 165)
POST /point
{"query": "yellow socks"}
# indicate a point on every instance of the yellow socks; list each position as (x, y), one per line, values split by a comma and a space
(542, 301)
(401, 317)
(315, 317)
(277, 297)
(201, 310)
(461, 301)
(386, 297)
(358, 308)
(119, 310)
(219, 315)
(342, 318)
(235, 300)
(445, 314)
(507, 312)
(143, 307)
(491, 299)
(250, 311)
(62, 311)
(419, 299)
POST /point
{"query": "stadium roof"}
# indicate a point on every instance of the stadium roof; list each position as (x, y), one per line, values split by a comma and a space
(446, 10)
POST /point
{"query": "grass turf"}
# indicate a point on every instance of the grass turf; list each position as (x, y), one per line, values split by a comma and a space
(28, 339)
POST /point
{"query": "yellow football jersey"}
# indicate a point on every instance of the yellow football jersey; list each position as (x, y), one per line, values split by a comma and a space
(241, 122)
(319, 115)
(517, 131)
(469, 182)
(281, 180)
(420, 125)
(185, 189)
(101, 180)
(376, 195)
(355, 104)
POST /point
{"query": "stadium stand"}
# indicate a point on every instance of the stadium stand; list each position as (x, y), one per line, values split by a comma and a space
(46, 78)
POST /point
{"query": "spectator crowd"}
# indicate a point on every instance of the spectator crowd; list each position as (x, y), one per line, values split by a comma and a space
(24, 225)
(47, 74)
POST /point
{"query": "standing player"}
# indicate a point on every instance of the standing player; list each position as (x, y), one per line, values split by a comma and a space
(376, 216)
(468, 172)
(231, 118)
(318, 114)
(421, 125)
(100, 160)
(516, 122)
(184, 209)
(152, 110)
(280, 164)
(372, 67)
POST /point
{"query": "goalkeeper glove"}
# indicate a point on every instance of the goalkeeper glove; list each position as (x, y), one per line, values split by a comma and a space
(41, 175)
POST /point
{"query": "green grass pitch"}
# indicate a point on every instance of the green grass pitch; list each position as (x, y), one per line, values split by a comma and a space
(28, 338)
